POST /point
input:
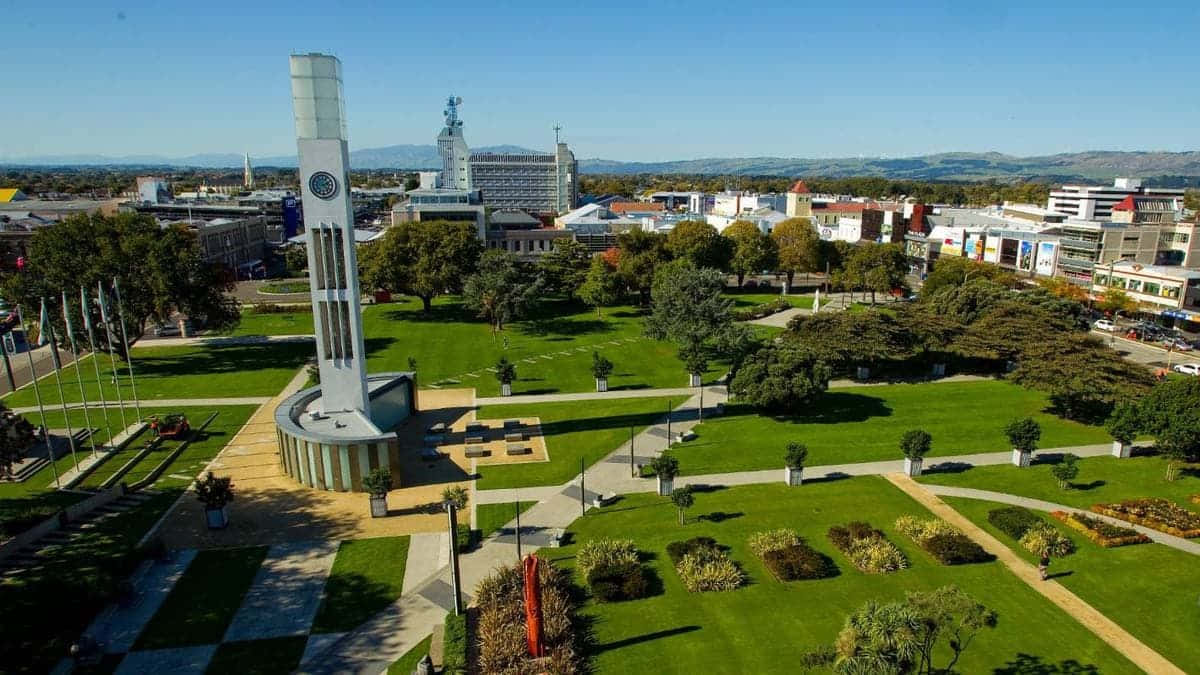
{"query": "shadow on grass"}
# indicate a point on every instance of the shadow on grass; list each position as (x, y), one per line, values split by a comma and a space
(645, 637)
(228, 359)
(834, 407)
(720, 516)
(623, 421)
(1029, 664)
(349, 600)
(564, 327)
(948, 467)
(1088, 486)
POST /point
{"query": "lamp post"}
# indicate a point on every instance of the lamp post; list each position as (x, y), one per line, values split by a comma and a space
(517, 507)
(455, 574)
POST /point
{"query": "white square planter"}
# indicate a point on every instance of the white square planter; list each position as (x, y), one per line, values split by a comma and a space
(601, 384)
(217, 519)
(864, 373)
(506, 389)
(912, 467)
(665, 486)
(1121, 450)
(379, 506)
(1021, 458)
(792, 476)
(694, 380)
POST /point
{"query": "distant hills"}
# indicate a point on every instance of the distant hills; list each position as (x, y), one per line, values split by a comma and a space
(1173, 167)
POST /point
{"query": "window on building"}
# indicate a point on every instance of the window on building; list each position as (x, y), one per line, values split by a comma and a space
(1171, 292)
(1151, 288)
(1135, 285)
(1102, 279)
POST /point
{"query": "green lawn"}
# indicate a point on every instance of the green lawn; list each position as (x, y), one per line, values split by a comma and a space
(367, 576)
(204, 600)
(289, 323)
(284, 287)
(1101, 479)
(744, 300)
(573, 430)
(183, 372)
(405, 665)
(491, 517)
(1140, 587)
(258, 657)
(861, 424)
(767, 625)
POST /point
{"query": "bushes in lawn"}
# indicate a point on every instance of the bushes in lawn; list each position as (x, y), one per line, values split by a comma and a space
(772, 540)
(1155, 513)
(1045, 539)
(942, 541)
(604, 552)
(612, 569)
(867, 548)
(788, 558)
(1014, 521)
(500, 635)
(1101, 532)
(704, 566)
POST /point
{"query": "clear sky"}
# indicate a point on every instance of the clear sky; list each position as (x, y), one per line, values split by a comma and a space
(636, 81)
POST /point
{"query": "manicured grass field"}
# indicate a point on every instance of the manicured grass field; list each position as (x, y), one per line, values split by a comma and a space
(862, 424)
(405, 665)
(1140, 587)
(258, 657)
(284, 287)
(182, 372)
(744, 300)
(1101, 479)
(575, 429)
(491, 517)
(367, 575)
(204, 600)
(291, 323)
(765, 626)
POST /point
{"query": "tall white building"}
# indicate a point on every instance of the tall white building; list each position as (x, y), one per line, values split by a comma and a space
(247, 173)
(456, 157)
(1091, 202)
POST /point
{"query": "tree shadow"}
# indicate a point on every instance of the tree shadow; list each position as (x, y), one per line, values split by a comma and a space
(720, 516)
(348, 601)
(1088, 486)
(645, 637)
(563, 327)
(838, 407)
(948, 467)
(1028, 664)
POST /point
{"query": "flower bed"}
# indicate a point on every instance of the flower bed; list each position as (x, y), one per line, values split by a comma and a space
(1155, 513)
(788, 558)
(704, 566)
(1100, 532)
(1014, 521)
(612, 569)
(942, 541)
(500, 631)
(867, 548)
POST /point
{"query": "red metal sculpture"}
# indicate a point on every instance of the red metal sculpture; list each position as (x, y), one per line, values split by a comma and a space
(533, 607)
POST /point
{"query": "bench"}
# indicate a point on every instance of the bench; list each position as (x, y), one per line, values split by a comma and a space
(434, 439)
(606, 498)
(684, 436)
(517, 449)
(473, 427)
(557, 536)
(514, 436)
(430, 453)
(512, 424)
(473, 440)
(476, 451)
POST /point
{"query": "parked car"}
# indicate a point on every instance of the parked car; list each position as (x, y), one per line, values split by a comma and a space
(1104, 324)
(1188, 369)
(1178, 344)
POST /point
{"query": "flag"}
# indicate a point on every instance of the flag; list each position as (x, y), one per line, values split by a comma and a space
(103, 304)
(67, 317)
(43, 326)
(87, 316)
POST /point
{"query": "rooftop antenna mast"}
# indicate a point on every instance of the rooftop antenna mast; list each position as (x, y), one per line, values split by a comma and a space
(557, 128)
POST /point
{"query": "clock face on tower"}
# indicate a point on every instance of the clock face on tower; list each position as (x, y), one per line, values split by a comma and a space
(323, 185)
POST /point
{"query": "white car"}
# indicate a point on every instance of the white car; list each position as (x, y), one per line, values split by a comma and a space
(1104, 324)
(1188, 368)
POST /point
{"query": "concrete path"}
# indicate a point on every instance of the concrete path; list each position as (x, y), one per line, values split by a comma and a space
(1163, 538)
(219, 340)
(176, 661)
(286, 592)
(117, 627)
(375, 645)
(588, 395)
(163, 403)
(427, 554)
(1104, 628)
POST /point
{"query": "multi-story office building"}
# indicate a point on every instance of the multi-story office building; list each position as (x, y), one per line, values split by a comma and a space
(238, 244)
(442, 204)
(1088, 202)
(545, 184)
(1172, 291)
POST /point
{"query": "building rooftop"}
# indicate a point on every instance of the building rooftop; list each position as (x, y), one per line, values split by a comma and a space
(636, 207)
(800, 188)
(1133, 267)
(514, 218)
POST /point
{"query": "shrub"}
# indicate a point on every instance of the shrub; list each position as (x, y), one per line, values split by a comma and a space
(1066, 471)
(454, 650)
(921, 529)
(709, 569)
(464, 537)
(506, 372)
(798, 561)
(955, 549)
(1014, 521)
(772, 540)
(665, 465)
(614, 582)
(1044, 539)
(677, 549)
(1158, 514)
(916, 443)
(1124, 423)
(797, 454)
(456, 495)
(867, 548)
(759, 311)
(601, 367)
(378, 482)
(1023, 434)
(214, 492)
(604, 553)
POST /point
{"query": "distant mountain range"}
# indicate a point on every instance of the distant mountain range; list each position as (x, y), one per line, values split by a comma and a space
(1177, 167)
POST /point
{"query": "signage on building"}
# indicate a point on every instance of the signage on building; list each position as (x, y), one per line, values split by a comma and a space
(1025, 256)
(991, 250)
(952, 243)
(973, 248)
(1047, 254)
(291, 217)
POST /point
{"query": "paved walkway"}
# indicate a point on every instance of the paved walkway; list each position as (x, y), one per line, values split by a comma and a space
(118, 627)
(1163, 538)
(175, 660)
(286, 592)
(587, 395)
(1106, 629)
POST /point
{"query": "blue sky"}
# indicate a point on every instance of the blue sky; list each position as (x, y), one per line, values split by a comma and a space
(629, 81)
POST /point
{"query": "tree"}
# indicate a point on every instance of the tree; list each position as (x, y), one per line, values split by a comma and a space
(16, 437)
(214, 492)
(641, 253)
(931, 335)
(699, 242)
(916, 443)
(1083, 376)
(161, 271)
(753, 251)
(1116, 301)
(1023, 434)
(780, 378)
(799, 246)
(878, 268)
(378, 482)
(683, 499)
(665, 466)
(457, 495)
(1062, 288)
(506, 371)
(601, 287)
(952, 271)
(501, 291)
(968, 302)
(1171, 413)
(1066, 470)
(796, 455)
(845, 338)
(425, 259)
(1125, 422)
(601, 367)
(689, 309)
(295, 258)
(564, 269)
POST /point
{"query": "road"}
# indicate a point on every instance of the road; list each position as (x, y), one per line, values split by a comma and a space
(1147, 354)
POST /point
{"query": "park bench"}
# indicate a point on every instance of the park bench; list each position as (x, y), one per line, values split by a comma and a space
(557, 536)
(439, 428)
(474, 440)
(514, 436)
(476, 451)
(430, 453)
(517, 449)
(476, 427)
(512, 424)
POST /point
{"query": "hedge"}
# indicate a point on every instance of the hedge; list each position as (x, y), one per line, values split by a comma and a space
(867, 548)
(942, 541)
(454, 649)
(1014, 521)
(798, 561)
(703, 565)
(677, 549)
(613, 582)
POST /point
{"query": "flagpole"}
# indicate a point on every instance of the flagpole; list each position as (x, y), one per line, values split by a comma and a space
(37, 393)
(87, 323)
(87, 418)
(61, 397)
(128, 348)
(112, 359)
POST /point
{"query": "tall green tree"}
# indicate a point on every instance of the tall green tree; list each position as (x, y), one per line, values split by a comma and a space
(1171, 413)
(877, 268)
(565, 267)
(1116, 301)
(502, 290)
(753, 251)
(601, 287)
(425, 259)
(699, 242)
(641, 253)
(689, 309)
(951, 271)
(780, 378)
(799, 247)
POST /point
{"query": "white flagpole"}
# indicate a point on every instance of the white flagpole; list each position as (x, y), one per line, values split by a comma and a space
(112, 359)
(37, 393)
(91, 333)
(87, 418)
(128, 348)
(61, 397)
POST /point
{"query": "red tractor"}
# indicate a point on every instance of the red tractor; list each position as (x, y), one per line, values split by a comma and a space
(170, 426)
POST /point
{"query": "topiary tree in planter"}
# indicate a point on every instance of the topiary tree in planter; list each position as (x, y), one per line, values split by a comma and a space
(601, 369)
(377, 484)
(696, 361)
(215, 493)
(683, 499)
(665, 469)
(1023, 435)
(915, 444)
(1123, 425)
(1066, 471)
(793, 459)
(457, 495)
(506, 373)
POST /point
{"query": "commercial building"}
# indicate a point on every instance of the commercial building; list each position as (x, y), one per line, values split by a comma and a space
(1089, 202)
(442, 204)
(238, 244)
(1171, 291)
(595, 226)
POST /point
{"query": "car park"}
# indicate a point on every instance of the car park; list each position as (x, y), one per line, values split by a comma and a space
(1104, 324)
(1178, 344)
(1188, 369)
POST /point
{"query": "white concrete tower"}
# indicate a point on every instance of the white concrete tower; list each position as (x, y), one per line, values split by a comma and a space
(452, 146)
(247, 173)
(329, 223)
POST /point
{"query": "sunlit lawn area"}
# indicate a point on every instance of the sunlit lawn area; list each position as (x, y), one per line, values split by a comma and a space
(744, 300)
(299, 322)
(573, 430)
(367, 576)
(766, 625)
(492, 517)
(861, 424)
(1149, 589)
